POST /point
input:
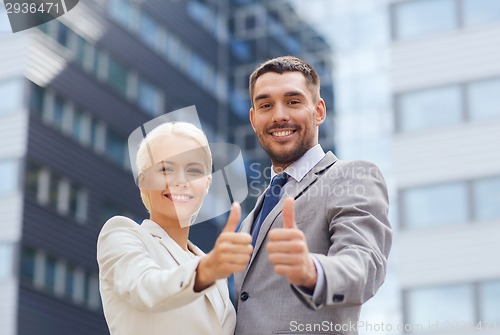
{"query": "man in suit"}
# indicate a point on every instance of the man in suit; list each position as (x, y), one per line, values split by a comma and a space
(321, 251)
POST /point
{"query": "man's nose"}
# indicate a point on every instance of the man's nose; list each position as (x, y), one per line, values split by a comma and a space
(280, 114)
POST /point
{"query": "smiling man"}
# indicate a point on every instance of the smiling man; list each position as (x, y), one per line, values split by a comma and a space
(320, 232)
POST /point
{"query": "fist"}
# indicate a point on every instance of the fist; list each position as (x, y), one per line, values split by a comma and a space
(288, 251)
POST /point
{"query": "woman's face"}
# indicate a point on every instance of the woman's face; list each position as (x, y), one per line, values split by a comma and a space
(178, 180)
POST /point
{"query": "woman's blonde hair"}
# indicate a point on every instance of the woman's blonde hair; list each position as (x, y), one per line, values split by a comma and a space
(185, 129)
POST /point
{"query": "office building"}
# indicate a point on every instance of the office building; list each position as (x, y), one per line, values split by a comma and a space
(73, 90)
(417, 87)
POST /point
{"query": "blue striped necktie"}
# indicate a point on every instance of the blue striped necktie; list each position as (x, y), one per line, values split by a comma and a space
(271, 198)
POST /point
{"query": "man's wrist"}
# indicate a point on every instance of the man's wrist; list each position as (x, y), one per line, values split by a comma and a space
(312, 276)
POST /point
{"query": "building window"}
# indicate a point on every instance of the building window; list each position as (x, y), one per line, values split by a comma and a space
(56, 276)
(486, 194)
(489, 299)
(484, 99)
(436, 205)
(62, 195)
(77, 203)
(11, 92)
(6, 255)
(27, 267)
(49, 282)
(57, 117)
(429, 108)
(480, 11)
(455, 303)
(117, 76)
(33, 177)
(149, 98)
(122, 11)
(423, 17)
(9, 174)
(37, 101)
(148, 30)
(115, 147)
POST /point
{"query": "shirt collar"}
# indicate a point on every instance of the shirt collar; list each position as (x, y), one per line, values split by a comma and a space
(298, 169)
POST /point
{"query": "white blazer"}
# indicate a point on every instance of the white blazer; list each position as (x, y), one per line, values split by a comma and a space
(146, 282)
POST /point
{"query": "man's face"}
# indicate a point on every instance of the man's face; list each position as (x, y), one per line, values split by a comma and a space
(285, 116)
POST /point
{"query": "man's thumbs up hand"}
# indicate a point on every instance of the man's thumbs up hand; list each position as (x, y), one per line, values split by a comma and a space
(288, 251)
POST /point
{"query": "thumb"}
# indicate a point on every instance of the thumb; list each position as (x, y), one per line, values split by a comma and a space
(289, 213)
(234, 218)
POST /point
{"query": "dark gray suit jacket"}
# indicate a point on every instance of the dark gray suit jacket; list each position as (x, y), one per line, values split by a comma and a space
(342, 208)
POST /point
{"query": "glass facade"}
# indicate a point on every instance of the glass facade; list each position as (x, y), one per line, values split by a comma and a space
(456, 303)
(11, 92)
(489, 303)
(445, 106)
(424, 17)
(428, 109)
(480, 11)
(435, 205)
(484, 99)
(9, 172)
(487, 198)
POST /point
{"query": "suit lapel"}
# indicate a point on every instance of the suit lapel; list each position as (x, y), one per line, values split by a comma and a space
(293, 189)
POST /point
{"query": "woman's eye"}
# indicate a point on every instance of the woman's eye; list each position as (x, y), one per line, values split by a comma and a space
(195, 171)
(166, 170)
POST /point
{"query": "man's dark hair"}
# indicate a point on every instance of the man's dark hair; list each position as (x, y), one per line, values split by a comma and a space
(287, 64)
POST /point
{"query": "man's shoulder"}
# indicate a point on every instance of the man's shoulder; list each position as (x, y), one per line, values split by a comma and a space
(353, 169)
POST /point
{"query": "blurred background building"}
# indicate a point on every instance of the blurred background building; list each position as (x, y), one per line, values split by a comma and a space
(74, 89)
(417, 87)
(417, 91)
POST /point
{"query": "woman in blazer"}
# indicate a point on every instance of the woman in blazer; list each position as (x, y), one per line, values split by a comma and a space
(152, 279)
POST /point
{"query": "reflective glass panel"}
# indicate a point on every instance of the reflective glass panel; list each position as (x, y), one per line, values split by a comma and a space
(11, 92)
(435, 205)
(441, 305)
(481, 11)
(489, 299)
(6, 255)
(28, 265)
(430, 108)
(484, 99)
(487, 198)
(117, 76)
(423, 17)
(148, 29)
(148, 97)
(115, 147)
(9, 176)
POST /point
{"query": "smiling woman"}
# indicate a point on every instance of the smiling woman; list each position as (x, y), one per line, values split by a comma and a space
(152, 278)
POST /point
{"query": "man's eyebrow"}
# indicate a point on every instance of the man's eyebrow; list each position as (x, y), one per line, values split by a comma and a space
(294, 93)
(261, 97)
(287, 94)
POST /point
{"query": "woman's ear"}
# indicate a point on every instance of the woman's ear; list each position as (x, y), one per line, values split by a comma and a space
(209, 182)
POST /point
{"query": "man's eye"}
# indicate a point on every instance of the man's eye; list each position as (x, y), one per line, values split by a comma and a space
(265, 106)
(294, 102)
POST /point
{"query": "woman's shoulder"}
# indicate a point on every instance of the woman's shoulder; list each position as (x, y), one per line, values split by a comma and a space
(119, 222)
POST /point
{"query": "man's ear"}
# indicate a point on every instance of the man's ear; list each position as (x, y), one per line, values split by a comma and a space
(252, 116)
(320, 112)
